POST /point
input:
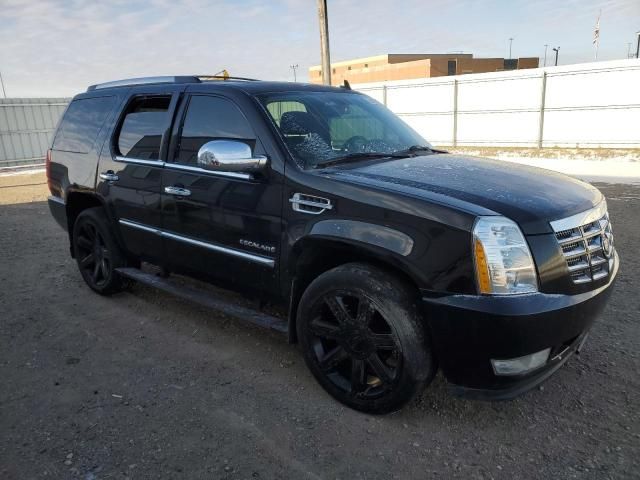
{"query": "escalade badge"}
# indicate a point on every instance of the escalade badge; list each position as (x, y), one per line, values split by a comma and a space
(259, 246)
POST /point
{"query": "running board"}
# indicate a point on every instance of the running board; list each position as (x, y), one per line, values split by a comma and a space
(207, 299)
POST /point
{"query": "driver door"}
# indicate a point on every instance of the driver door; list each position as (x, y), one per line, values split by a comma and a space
(221, 225)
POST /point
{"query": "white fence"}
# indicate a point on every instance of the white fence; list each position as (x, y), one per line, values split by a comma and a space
(26, 127)
(586, 105)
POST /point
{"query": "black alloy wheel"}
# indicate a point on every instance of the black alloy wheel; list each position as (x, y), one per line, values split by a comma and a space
(354, 345)
(94, 257)
(97, 253)
(363, 338)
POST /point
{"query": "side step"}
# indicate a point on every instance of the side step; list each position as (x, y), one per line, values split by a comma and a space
(207, 299)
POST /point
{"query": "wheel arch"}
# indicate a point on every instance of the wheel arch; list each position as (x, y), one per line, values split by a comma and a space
(76, 203)
(313, 255)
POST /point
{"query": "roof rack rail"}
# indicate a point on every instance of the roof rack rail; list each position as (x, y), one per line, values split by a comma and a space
(206, 78)
(145, 81)
(129, 82)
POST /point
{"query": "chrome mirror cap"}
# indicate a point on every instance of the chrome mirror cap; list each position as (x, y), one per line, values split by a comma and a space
(229, 156)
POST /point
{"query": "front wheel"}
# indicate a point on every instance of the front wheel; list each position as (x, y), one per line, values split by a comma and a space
(97, 252)
(363, 339)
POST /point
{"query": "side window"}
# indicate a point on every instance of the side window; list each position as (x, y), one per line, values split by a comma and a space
(277, 108)
(211, 118)
(81, 124)
(140, 133)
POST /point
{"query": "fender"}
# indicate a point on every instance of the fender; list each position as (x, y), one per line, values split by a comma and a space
(349, 232)
(368, 233)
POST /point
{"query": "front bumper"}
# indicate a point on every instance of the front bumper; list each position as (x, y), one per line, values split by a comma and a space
(468, 331)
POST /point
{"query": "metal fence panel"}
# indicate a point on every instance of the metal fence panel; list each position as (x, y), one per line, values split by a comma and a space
(587, 105)
(26, 128)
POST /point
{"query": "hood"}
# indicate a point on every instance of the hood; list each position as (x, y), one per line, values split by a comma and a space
(530, 196)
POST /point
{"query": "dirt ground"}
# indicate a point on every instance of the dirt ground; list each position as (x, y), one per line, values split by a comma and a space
(144, 385)
(23, 187)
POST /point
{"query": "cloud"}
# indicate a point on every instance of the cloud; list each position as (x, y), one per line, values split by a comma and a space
(57, 48)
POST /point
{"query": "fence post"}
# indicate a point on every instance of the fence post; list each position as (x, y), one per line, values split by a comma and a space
(384, 95)
(543, 95)
(455, 112)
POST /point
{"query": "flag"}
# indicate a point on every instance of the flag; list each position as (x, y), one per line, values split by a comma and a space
(596, 32)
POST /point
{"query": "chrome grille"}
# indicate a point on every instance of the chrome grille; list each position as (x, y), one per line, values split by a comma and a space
(586, 241)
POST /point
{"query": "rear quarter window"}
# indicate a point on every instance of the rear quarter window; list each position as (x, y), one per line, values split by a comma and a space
(141, 130)
(81, 124)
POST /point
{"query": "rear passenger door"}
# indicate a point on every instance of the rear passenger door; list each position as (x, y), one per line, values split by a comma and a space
(130, 169)
(227, 227)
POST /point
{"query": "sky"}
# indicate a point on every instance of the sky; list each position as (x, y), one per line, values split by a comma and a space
(58, 48)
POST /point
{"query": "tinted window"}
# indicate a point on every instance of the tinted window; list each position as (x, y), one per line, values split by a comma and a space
(210, 118)
(81, 124)
(144, 123)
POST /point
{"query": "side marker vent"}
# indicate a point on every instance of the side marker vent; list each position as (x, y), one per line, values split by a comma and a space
(310, 204)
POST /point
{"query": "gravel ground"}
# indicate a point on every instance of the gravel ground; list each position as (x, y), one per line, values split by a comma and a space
(144, 385)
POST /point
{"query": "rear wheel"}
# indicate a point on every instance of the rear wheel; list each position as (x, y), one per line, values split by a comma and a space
(97, 252)
(363, 338)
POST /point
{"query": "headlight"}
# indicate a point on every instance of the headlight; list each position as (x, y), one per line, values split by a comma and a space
(502, 258)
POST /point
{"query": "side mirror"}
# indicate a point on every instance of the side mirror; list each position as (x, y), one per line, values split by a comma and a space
(230, 156)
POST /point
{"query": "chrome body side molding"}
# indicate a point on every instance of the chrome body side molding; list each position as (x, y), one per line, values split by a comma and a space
(269, 262)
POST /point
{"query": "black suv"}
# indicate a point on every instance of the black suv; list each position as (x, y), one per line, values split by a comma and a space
(391, 258)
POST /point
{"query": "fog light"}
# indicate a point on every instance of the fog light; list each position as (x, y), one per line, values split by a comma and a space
(520, 365)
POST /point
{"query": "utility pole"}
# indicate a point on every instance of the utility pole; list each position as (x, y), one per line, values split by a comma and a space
(4, 93)
(294, 67)
(545, 54)
(324, 42)
(638, 47)
(510, 44)
(557, 50)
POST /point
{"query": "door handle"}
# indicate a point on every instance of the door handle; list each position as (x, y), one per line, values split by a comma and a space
(177, 191)
(109, 176)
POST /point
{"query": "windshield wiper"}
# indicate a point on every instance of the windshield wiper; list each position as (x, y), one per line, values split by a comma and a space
(418, 148)
(357, 156)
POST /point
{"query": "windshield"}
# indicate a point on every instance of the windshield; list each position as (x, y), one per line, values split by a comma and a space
(321, 128)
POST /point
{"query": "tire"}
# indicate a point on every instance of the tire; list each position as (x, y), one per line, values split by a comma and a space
(97, 253)
(363, 339)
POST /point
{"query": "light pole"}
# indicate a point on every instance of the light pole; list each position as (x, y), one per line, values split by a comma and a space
(4, 93)
(557, 50)
(510, 44)
(324, 42)
(294, 67)
(545, 54)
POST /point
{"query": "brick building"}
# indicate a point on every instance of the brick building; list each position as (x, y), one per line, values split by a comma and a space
(403, 66)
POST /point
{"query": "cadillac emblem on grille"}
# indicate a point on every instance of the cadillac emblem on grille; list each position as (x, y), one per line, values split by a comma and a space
(586, 241)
